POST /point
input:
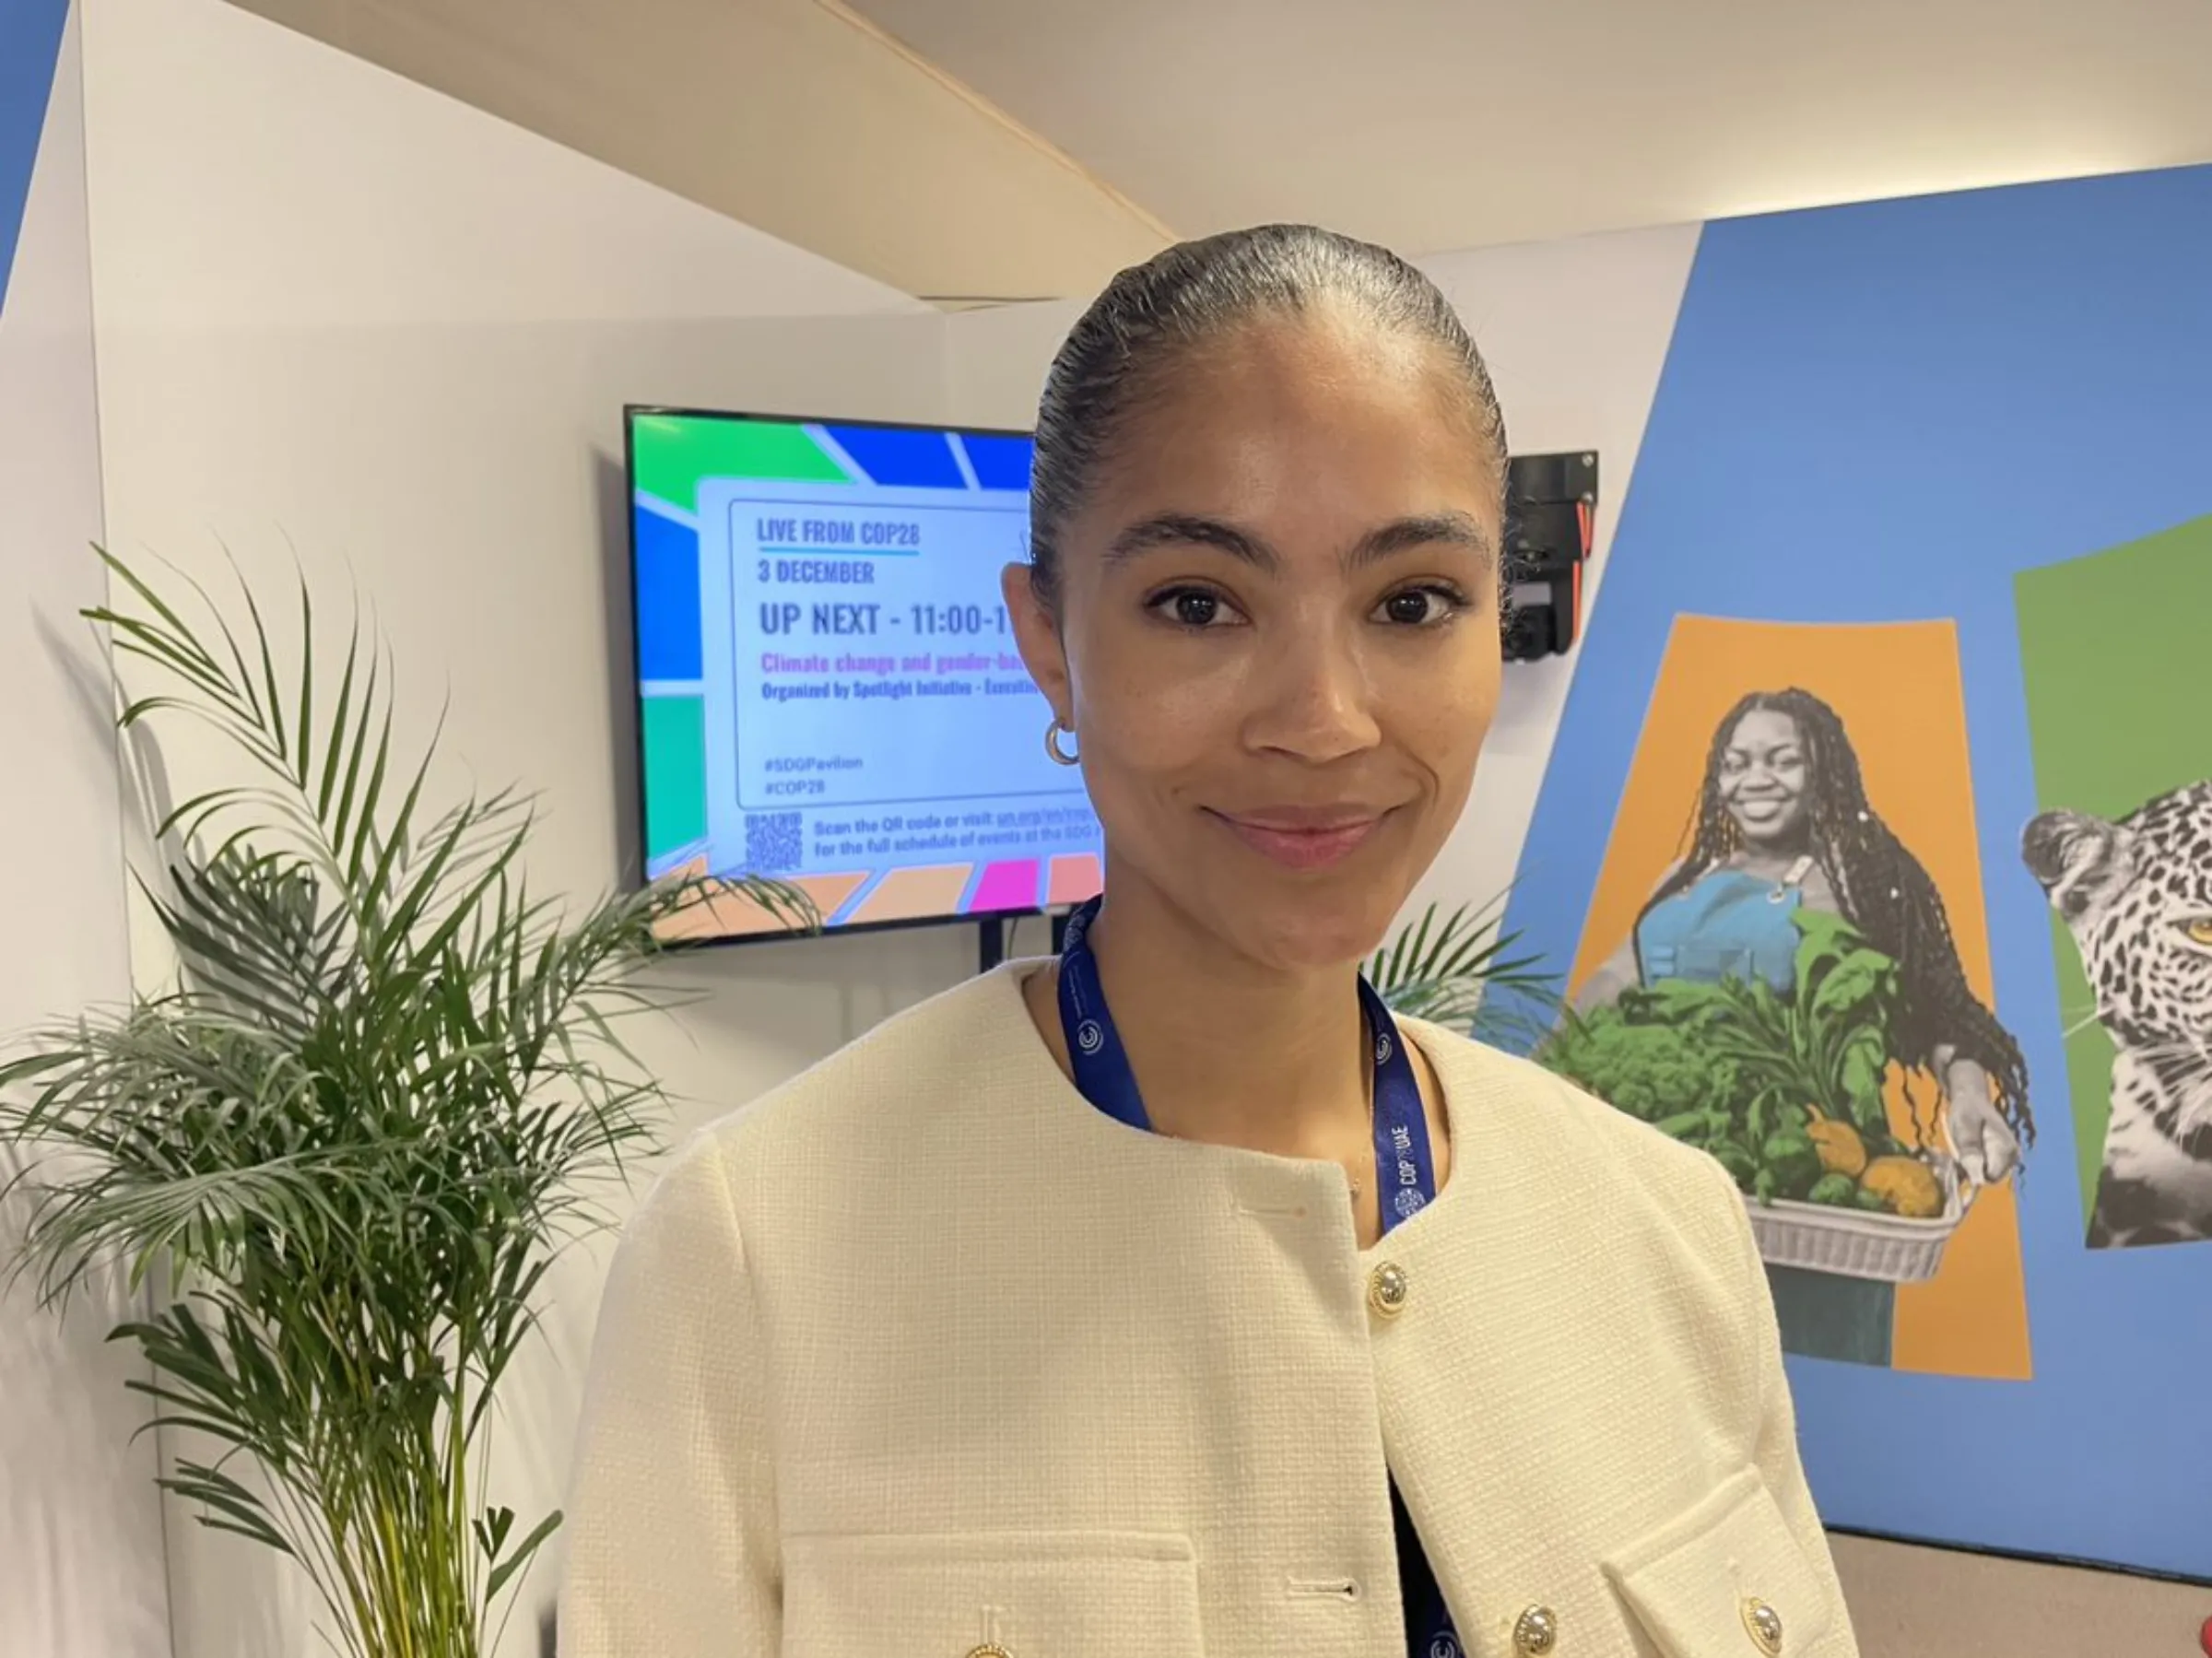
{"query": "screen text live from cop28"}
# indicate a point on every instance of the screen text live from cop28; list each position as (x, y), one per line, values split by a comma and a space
(829, 689)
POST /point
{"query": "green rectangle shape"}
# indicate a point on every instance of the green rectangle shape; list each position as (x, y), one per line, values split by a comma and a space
(670, 455)
(674, 743)
(2112, 649)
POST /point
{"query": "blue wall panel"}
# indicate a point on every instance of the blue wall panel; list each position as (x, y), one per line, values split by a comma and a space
(1883, 413)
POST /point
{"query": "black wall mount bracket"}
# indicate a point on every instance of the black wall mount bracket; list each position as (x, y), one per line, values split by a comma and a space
(1550, 522)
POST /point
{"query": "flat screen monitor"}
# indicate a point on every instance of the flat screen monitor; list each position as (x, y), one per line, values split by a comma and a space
(828, 691)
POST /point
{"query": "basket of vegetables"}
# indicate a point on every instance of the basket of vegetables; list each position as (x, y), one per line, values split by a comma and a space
(1786, 1089)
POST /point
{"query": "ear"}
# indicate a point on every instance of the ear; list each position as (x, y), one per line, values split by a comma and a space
(1036, 633)
(2079, 860)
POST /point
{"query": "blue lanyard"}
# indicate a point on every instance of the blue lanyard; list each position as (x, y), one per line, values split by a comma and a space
(1405, 1167)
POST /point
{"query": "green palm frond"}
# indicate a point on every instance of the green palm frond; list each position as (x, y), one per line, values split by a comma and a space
(1459, 970)
(346, 1143)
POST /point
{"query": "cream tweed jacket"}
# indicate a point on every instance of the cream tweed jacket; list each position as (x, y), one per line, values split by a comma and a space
(922, 1357)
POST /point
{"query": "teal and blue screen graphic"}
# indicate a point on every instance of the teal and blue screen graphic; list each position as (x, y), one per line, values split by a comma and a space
(830, 691)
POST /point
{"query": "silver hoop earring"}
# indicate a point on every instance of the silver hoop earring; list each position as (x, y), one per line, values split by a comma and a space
(1052, 743)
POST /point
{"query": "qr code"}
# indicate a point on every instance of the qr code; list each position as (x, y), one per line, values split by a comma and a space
(772, 844)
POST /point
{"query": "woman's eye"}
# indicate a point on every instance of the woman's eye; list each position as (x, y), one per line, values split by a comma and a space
(1422, 606)
(1194, 608)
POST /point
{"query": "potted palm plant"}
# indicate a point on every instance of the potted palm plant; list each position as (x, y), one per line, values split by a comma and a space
(338, 1153)
(1460, 970)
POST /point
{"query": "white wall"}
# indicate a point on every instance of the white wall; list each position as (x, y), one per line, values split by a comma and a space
(995, 359)
(342, 314)
(80, 1530)
(1575, 333)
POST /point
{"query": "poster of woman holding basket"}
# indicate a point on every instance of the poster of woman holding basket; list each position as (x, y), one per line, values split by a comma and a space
(1791, 997)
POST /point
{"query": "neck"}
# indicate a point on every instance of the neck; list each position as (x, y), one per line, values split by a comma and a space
(1224, 1050)
(1769, 857)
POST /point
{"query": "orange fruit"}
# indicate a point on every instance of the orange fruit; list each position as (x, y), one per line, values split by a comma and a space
(1907, 1185)
(1841, 1150)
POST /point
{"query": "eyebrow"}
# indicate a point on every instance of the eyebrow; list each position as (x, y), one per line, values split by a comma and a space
(1191, 529)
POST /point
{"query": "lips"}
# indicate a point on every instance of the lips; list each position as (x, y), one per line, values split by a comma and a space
(1304, 838)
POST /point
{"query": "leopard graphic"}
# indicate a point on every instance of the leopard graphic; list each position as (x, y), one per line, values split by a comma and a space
(2136, 895)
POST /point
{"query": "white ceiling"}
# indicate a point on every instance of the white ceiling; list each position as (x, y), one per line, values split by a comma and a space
(1027, 148)
(1435, 125)
(797, 117)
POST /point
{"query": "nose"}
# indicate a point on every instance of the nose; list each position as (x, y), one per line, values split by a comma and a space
(1314, 699)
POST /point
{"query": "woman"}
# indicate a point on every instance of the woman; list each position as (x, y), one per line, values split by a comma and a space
(1171, 1299)
(1784, 823)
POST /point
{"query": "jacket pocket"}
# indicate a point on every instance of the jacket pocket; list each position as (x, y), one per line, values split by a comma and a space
(1033, 1594)
(1727, 1577)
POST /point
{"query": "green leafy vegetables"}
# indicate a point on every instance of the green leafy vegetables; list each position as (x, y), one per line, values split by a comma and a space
(1785, 1089)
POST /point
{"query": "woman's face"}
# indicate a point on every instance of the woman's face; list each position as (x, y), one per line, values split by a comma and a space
(1277, 636)
(1762, 778)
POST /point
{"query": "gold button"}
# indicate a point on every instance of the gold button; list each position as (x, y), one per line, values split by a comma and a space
(1387, 1290)
(990, 1648)
(1764, 1625)
(1537, 1632)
